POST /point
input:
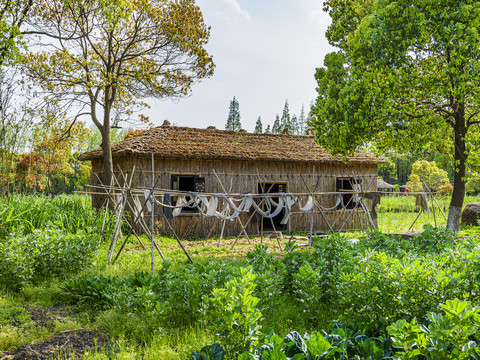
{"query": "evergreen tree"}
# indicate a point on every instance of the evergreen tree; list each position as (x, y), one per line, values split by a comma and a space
(285, 121)
(233, 120)
(277, 128)
(259, 126)
(268, 130)
(302, 122)
(294, 125)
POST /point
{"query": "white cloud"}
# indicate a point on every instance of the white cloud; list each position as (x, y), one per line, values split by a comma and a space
(235, 6)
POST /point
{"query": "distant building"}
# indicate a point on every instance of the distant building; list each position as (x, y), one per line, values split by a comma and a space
(384, 186)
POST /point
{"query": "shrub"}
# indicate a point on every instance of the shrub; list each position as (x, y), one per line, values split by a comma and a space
(445, 190)
(235, 317)
(454, 335)
(42, 254)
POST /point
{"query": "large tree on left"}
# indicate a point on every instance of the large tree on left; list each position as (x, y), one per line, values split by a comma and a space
(104, 58)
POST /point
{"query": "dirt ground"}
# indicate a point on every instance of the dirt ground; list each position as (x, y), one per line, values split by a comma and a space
(64, 343)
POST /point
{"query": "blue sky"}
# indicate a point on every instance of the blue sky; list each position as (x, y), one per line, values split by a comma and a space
(266, 51)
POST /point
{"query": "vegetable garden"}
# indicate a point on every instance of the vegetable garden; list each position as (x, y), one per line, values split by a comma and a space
(356, 296)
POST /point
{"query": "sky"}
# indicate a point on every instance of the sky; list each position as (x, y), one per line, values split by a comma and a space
(265, 51)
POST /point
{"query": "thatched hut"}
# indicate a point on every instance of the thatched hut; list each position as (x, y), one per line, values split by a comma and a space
(383, 186)
(217, 161)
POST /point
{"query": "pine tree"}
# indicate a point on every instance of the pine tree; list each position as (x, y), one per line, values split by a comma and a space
(233, 120)
(268, 130)
(276, 129)
(285, 121)
(302, 122)
(294, 125)
(259, 126)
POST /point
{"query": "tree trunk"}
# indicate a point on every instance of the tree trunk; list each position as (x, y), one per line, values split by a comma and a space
(456, 204)
(107, 153)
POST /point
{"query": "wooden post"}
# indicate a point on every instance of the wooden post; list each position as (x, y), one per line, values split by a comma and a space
(153, 216)
(310, 235)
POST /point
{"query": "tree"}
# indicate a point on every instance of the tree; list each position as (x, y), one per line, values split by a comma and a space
(13, 129)
(294, 125)
(302, 122)
(233, 120)
(430, 174)
(102, 58)
(406, 77)
(285, 121)
(259, 126)
(13, 14)
(277, 127)
(268, 130)
(54, 151)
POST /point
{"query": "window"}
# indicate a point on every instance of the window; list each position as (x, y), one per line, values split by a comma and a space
(348, 184)
(190, 183)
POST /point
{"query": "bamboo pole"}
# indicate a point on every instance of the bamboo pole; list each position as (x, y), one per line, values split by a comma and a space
(153, 217)
(310, 234)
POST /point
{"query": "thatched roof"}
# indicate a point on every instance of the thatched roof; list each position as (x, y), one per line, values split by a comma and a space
(381, 184)
(175, 142)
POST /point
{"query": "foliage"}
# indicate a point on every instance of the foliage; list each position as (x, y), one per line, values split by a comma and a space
(315, 283)
(414, 183)
(20, 215)
(55, 145)
(210, 352)
(383, 286)
(403, 78)
(285, 120)
(13, 16)
(293, 261)
(235, 317)
(473, 184)
(233, 120)
(302, 122)
(41, 255)
(277, 126)
(258, 126)
(13, 129)
(445, 190)
(430, 174)
(388, 173)
(103, 58)
(454, 335)
(341, 343)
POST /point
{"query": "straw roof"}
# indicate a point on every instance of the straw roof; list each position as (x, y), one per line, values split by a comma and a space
(381, 184)
(176, 142)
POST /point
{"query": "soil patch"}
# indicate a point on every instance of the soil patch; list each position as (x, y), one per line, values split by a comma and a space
(66, 342)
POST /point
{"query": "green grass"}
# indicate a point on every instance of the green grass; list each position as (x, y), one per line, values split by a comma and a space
(168, 341)
(397, 213)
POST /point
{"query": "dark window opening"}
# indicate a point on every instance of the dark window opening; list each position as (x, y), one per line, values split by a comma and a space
(189, 183)
(349, 200)
(269, 188)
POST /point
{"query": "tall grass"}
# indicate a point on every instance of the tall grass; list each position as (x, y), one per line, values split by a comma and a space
(21, 214)
(398, 213)
(406, 203)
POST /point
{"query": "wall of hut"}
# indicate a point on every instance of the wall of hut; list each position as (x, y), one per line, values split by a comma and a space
(243, 177)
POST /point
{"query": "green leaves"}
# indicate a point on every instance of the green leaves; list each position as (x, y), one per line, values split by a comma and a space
(445, 337)
(234, 316)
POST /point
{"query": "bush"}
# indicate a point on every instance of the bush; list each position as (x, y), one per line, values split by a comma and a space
(234, 316)
(454, 335)
(41, 255)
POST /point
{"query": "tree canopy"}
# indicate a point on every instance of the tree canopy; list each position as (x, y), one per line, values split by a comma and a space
(103, 59)
(406, 76)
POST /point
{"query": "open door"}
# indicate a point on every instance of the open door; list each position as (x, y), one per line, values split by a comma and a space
(269, 188)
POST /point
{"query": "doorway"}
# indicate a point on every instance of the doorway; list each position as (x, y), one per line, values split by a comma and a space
(272, 188)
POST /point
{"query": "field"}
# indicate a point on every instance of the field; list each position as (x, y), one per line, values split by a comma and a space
(356, 296)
